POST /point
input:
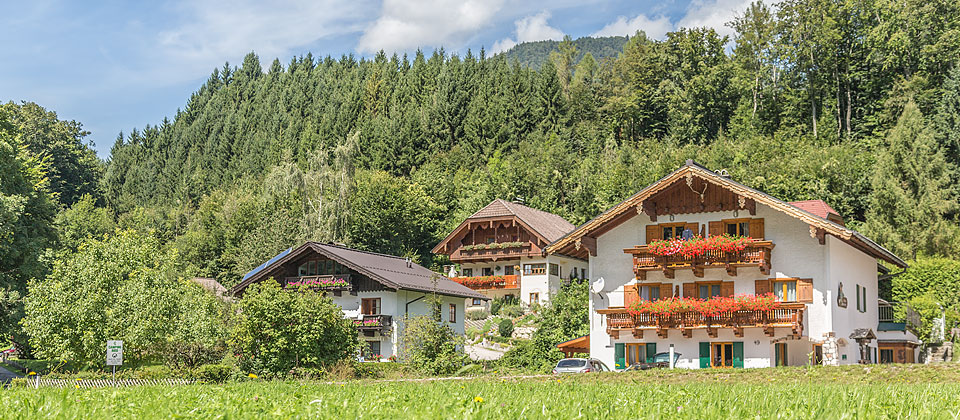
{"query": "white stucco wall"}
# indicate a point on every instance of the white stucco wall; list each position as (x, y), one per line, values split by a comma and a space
(395, 305)
(544, 284)
(795, 255)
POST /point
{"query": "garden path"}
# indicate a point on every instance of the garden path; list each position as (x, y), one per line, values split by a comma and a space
(6, 376)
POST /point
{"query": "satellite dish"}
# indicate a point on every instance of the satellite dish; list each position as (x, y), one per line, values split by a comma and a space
(597, 286)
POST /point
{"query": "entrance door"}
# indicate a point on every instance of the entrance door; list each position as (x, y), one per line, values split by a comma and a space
(781, 354)
(721, 355)
(817, 354)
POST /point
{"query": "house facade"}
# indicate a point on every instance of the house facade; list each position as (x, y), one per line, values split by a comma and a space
(376, 291)
(823, 276)
(499, 251)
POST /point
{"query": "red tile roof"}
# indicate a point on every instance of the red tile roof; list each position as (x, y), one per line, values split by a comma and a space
(818, 208)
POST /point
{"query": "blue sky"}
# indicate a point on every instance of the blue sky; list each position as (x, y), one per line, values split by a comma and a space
(115, 66)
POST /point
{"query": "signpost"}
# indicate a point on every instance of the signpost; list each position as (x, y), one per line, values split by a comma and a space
(114, 356)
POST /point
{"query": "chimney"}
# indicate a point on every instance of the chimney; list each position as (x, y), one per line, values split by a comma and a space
(409, 262)
(723, 173)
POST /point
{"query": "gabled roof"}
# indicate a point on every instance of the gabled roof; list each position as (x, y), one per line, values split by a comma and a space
(547, 226)
(854, 238)
(212, 286)
(391, 271)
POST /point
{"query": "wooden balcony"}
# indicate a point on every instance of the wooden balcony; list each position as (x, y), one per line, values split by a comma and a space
(788, 315)
(374, 323)
(757, 254)
(494, 254)
(336, 283)
(490, 282)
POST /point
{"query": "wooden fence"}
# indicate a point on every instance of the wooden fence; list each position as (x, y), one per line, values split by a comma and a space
(100, 383)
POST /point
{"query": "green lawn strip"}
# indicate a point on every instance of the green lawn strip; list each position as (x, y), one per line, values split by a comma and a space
(586, 396)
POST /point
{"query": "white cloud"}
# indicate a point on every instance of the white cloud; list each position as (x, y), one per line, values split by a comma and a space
(713, 14)
(408, 24)
(214, 31)
(529, 29)
(654, 28)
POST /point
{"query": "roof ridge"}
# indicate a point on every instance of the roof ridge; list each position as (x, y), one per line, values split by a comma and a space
(331, 244)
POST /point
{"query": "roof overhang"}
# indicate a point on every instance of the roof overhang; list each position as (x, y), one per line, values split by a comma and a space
(577, 242)
(441, 247)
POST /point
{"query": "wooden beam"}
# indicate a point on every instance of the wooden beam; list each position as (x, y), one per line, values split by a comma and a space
(637, 333)
(712, 332)
(698, 271)
(668, 272)
(687, 332)
(615, 334)
(732, 270)
(590, 243)
(650, 208)
(751, 206)
(738, 331)
(769, 331)
(662, 332)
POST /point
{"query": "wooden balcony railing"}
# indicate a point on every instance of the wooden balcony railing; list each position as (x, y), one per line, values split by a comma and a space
(788, 315)
(490, 282)
(757, 254)
(324, 283)
(476, 254)
(374, 322)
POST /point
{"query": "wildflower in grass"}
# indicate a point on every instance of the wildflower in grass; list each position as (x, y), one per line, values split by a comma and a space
(31, 373)
(478, 399)
(77, 385)
(252, 376)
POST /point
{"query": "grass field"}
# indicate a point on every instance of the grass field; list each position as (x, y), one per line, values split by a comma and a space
(832, 393)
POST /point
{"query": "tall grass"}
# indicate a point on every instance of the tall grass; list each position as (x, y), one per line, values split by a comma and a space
(562, 398)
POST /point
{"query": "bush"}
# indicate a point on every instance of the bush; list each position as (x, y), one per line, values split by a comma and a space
(511, 311)
(500, 302)
(277, 330)
(505, 328)
(214, 373)
(430, 346)
(478, 315)
(566, 317)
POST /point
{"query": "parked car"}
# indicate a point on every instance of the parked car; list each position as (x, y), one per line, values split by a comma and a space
(580, 366)
(660, 361)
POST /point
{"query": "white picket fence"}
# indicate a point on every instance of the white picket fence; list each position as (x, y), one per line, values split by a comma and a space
(105, 383)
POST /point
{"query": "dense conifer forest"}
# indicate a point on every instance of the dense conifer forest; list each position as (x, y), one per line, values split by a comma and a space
(854, 102)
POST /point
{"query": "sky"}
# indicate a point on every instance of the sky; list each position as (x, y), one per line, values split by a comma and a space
(115, 66)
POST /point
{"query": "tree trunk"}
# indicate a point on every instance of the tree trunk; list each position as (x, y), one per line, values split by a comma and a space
(813, 96)
(849, 107)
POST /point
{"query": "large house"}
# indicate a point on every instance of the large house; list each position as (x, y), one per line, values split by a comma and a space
(375, 290)
(499, 251)
(823, 275)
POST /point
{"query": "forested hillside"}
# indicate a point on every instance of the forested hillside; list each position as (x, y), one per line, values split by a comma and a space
(534, 54)
(854, 103)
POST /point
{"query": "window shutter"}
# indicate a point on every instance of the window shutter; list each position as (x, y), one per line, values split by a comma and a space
(864, 291)
(805, 290)
(619, 357)
(858, 297)
(653, 233)
(693, 228)
(651, 351)
(365, 306)
(689, 290)
(762, 287)
(777, 357)
(704, 355)
(726, 289)
(630, 295)
(738, 354)
(666, 290)
(756, 228)
(716, 228)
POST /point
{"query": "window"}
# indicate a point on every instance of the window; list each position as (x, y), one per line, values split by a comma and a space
(370, 306)
(491, 239)
(555, 270)
(488, 271)
(708, 290)
(508, 270)
(534, 298)
(785, 291)
(477, 302)
(671, 231)
(886, 355)
(468, 272)
(721, 355)
(651, 292)
(529, 269)
(861, 298)
(737, 227)
(320, 267)
(373, 350)
(453, 313)
(781, 354)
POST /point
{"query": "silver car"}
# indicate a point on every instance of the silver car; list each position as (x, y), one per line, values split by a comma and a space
(580, 366)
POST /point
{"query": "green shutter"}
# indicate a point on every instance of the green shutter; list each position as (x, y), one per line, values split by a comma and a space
(738, 354)
(704, 355)
(619, 356)
(651, 351)
(776, 354)
(858, 297)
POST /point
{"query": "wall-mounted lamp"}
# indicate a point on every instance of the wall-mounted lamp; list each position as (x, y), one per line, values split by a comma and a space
(756, 342)
(671, 217)
(736, 213)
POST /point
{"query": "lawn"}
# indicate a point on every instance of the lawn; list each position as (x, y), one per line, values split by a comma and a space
(786, 393)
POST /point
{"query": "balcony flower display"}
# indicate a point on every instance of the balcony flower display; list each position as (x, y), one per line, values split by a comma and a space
(371, 322)
(483, 282)
(334, 283)
(697, 246)
(495, 245)
(708, 307)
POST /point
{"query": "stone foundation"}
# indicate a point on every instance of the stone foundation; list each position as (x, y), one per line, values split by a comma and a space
(831, 350)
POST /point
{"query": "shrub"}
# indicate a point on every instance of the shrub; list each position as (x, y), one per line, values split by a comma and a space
(511, 311)
(277, 330)
(564, 318)
(477, 315)
(214, 373)
(505, 328)
(430, 346)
